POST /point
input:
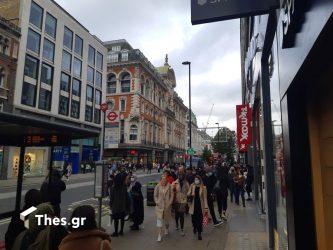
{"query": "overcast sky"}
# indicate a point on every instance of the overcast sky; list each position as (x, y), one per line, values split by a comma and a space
(159, 27)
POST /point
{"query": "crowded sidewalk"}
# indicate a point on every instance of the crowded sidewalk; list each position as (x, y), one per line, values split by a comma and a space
(245, 229)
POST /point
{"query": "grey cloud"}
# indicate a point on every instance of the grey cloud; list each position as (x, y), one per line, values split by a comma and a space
(141, 22)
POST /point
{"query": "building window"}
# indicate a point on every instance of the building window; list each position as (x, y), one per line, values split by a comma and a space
(122, 105)
(116, 48)
(125, 83)
(48, 50)
(134, 133)
(33, 43)
(50, 25)
(75, 109)
(76, 87)
(2, 77)
(77, 67)
(47, 74)
(36, 15)
(63, 105)
(45, 99)
(111, 84)
(31, 67)
(98, 79)
(64, 82)
(90, 75)
(122, 131)
(99, 61)
(68, 38)
(4, 45)
(142, 89)
(124, 56)
(91, 55)
(90, 93)
(28, 94)
(78, 45)
(110, 105)
(66, 63)
(98, 97)
(113, 57)
(97, 116)
(89, 113)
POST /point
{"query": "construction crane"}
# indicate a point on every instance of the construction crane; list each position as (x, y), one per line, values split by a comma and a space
(210, 114)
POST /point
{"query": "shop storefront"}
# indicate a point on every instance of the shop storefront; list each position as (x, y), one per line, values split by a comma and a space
(287, 79)
(35, 161)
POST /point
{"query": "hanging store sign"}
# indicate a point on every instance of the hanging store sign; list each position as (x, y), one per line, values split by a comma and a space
(244, 132)
(206, 11)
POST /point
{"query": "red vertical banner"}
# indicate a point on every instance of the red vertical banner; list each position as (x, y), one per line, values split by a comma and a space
(244, 131)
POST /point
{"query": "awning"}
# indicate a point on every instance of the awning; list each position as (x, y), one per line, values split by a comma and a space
(16, 130)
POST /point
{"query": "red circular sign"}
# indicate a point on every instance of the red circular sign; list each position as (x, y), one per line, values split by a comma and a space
(104, 107)
(112, 116)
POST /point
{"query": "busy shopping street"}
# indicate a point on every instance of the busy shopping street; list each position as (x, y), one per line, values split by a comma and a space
(178, 124)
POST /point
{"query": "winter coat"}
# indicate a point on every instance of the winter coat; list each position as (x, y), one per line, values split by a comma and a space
(86, 240)
(222, 176)
(180, 195)
(209, 182)
(163, 201)
(51, 191)
(137, 203)
(40, 237)
(203, 198)
(119, 200)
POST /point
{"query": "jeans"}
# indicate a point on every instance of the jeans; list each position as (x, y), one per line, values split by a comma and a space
(179, 217)
(210, 202)
(222, 202)
(239, 191)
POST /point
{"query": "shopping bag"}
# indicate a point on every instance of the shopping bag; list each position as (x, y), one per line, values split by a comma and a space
(205, 220)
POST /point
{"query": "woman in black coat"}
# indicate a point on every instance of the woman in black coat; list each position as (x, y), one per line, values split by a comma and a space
(119, 204)
(137, 210)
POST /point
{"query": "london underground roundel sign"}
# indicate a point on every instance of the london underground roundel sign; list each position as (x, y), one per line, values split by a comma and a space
(112, 116)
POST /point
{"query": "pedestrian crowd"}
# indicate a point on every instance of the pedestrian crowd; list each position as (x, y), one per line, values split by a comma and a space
(181, 193)
(193, 191)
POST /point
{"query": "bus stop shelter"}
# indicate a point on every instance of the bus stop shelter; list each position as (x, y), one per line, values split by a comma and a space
(24, 131)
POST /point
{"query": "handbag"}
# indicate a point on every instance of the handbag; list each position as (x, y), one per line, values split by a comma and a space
(190, 198)
(205, 220)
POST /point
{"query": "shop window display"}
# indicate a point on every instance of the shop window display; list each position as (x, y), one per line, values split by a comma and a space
(35, 162)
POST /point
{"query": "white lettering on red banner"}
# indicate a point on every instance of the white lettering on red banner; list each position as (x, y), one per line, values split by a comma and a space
(244, 134)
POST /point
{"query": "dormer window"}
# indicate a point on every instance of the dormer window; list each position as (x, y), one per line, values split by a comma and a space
(124, 56)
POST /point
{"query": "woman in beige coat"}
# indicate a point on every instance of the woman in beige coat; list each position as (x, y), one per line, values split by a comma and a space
(197, 197)
(163, 197)
(180, 188)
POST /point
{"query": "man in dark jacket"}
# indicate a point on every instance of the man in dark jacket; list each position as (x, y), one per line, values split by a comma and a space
(209, 180)
(119, 204)
(51, 190)
(222, 193)
(249, 181)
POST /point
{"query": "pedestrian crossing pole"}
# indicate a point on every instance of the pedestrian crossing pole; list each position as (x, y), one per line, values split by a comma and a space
(104, 107)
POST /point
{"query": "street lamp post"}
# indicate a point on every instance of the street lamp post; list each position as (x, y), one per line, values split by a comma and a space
(189, 111)
(218, 131)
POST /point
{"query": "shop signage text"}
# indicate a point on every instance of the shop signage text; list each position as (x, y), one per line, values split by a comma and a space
(244, 132)
(205, 11)
(292, 19)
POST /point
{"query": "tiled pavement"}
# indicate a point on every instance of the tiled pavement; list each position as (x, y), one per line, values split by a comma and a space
(244, 230)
